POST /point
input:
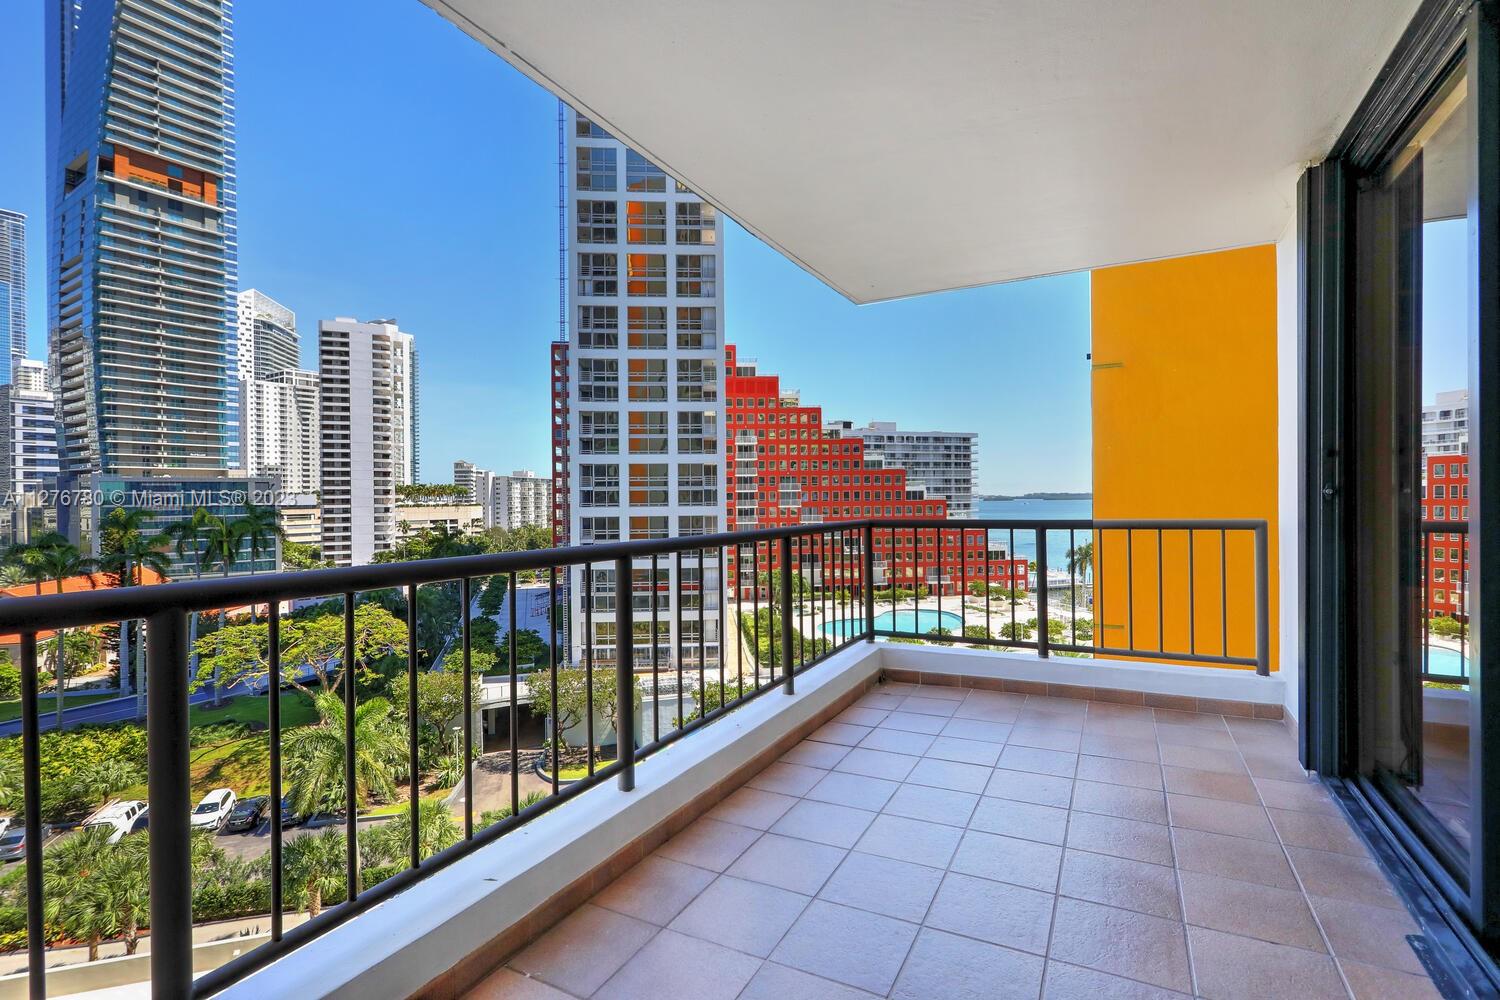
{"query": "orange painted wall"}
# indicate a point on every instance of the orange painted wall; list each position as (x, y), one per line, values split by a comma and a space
(1184, 424)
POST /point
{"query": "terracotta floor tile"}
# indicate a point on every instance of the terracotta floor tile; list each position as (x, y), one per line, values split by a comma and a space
(811, 753)
(787, 779)
(1122, 838)
(897, 741)
(851, 946)
(1073, 982)
(1170, 717)
(1203, 759)
(1122, 942)
(1071, 722)
(1025, 863)
(1043, 789)
(746, 916)
(853, 790)
(1140, 730)
(1237, 819)
(880, 700)
(1259, 861)
(508, 984)
(964, 751)
(655, 890)
(1121, 747)
(709, 844)
(1299, 796)
(1210, 784)
(752, 807)
(947, 692)
(861, 716)
(796, 865)
(913, 722)
(1044, 738)
(584, 950)
(984, 712)
(1192, 736)
(1135, 773)
(1342, 876)
(1317, 831)
(950, 774)
(841, 733)
(996, 912)
(1230, 967)
(825, 823)
(877, 764)
(1025, 820)
(1371, 982)
(921, 705)
(1054, 762)
(1375, 935)
(1246, 908)
(1130, 885)
(1119, 800)
(977, 729)
(917, 841)
(718, 973)
(944, 965)
(883, 885)
(935, 805)
(1277, 766)
(778, 982)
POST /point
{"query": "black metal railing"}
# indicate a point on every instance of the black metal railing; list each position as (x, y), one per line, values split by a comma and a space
(799, 594)
(1444, 561)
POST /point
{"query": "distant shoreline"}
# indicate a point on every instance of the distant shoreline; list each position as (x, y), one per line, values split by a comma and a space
(1037, 496)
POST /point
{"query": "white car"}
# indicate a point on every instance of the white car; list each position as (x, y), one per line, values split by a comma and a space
(119, 818)
(214, 808)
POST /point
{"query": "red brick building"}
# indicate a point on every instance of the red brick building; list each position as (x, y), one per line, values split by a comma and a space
(1445, 497)
(783, 469)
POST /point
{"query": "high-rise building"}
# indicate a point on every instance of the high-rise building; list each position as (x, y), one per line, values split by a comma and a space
(280, 428)
(1445, 424)
(366, 400)
(787, 468)
(519, 499)
(940, 462)
(12, 292)
(639, 396)
(477, 482)
(267, 337)
(141, 241)
(28, 451)
(1445, 554)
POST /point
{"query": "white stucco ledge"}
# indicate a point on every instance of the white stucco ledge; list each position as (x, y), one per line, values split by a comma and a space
(398, 947)
(1226, 683)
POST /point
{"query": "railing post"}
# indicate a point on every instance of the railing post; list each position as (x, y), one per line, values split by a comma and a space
(1262, 601)
(31, 782)
(169, 796)
(1041, 592)
(869, 574)
(625, 673)
(785, 610)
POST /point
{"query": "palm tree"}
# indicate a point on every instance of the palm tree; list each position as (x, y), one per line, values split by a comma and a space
(25, 560)
(1081, 560)
(437, 829)
(222, 539)
(186, 537)
(313, 867)
(127, 551)
(128, 873)
(315, 755)
(76, 887)
(59, 559)
(261, 530)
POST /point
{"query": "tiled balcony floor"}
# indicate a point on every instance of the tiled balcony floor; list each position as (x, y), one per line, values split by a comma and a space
(953, 843)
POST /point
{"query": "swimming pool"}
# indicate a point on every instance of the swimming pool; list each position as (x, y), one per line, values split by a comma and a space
(1446, 662)
(921, 622)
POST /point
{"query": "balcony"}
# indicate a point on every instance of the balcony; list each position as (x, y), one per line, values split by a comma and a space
(903, 793)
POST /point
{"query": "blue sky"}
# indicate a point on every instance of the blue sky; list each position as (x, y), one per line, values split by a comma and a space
(389, 166)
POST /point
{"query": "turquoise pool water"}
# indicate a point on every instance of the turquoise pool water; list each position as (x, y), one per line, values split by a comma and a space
(1446, 662)
(922, 622)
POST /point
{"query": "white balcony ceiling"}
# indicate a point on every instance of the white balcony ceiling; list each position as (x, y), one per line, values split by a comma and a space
(896, 147)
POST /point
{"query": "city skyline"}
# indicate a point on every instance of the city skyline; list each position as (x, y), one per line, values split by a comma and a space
(325, 257)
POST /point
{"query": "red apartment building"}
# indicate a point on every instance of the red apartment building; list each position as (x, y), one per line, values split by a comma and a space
(784, 469)
(1445, 497)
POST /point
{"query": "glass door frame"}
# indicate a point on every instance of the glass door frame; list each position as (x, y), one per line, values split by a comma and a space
(1444, 36)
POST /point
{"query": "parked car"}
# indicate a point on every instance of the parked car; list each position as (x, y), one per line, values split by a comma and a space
(213, 809)
(13, 842)
(290, 816)
(119, 818)
(248, 815)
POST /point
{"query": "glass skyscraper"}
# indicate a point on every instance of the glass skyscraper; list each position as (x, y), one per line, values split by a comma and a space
(141, 243)
(12, 292)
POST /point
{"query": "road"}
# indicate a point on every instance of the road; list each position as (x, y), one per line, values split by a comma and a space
(113, 710)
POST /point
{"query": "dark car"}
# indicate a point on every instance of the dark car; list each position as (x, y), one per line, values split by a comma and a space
(13, 843)
(247, 815)
(290, 816)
